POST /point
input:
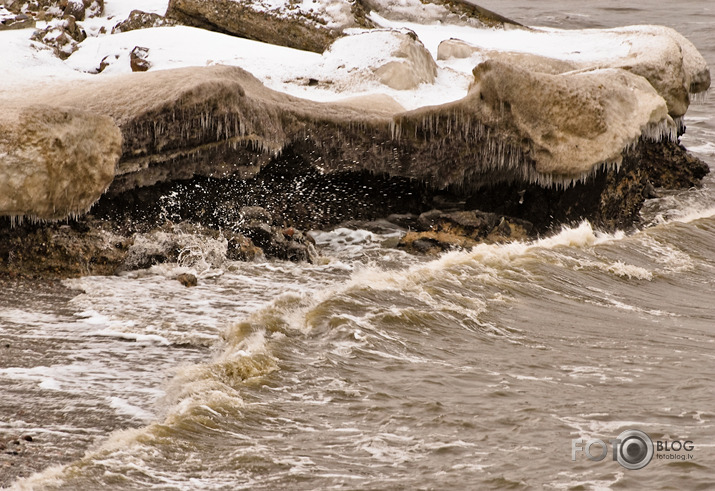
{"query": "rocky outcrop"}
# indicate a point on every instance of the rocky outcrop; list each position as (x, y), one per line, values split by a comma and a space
(285, 23)
(219, 121)
(314, 26)
(62, 36)
(51, 9)
(9, 20)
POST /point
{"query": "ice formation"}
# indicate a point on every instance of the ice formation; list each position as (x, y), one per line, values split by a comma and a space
(54, 162)
(539, 105)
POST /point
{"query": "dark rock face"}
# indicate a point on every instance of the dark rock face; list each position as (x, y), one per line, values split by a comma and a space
(611, 200)
(60, 250)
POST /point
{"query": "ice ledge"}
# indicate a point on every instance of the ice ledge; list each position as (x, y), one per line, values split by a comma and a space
(221, 121)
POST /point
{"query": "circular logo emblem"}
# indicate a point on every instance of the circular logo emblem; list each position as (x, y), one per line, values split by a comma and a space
(635, 450)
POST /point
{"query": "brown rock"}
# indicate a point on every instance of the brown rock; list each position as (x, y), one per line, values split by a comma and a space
(290, 27)
(138, 59)
(187, 279)
(75, 8)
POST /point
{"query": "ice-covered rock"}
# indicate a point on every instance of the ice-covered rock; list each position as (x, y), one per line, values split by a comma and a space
(54, 162)
(221, 121)
(544, 106)
(670, 63)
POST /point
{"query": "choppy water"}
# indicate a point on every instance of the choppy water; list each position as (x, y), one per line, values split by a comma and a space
(380, 370)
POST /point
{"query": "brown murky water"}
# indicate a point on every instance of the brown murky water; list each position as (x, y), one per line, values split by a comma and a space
(379, 370)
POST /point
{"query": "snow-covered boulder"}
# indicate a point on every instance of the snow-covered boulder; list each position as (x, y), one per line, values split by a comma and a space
(397, 59)
(670, 63)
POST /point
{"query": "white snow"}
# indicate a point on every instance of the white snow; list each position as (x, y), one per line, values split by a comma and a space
(119, 10)
(339, 72)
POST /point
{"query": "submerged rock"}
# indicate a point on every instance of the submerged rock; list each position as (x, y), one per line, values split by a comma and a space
(187, 279)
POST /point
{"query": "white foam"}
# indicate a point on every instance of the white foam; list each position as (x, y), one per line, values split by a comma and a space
(124, 407)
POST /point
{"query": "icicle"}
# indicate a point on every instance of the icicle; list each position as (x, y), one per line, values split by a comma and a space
(699, 98)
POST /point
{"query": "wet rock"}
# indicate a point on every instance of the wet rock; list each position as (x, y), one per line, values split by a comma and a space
(55, 250)
(255, 214)
(27, 438)
(404, 220)
(138, 59)
(282, 243)
(241, 248)
(187, 279)
(463, 229)
(649, 192)
(262, 234)
(142, 20)
(433, 242)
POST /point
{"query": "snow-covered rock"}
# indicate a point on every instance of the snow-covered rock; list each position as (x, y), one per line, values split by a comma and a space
(311, 25)
(460, 12)
(669, 62)
(397, 59)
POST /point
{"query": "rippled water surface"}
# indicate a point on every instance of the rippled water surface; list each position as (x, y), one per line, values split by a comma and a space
(380, 370)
